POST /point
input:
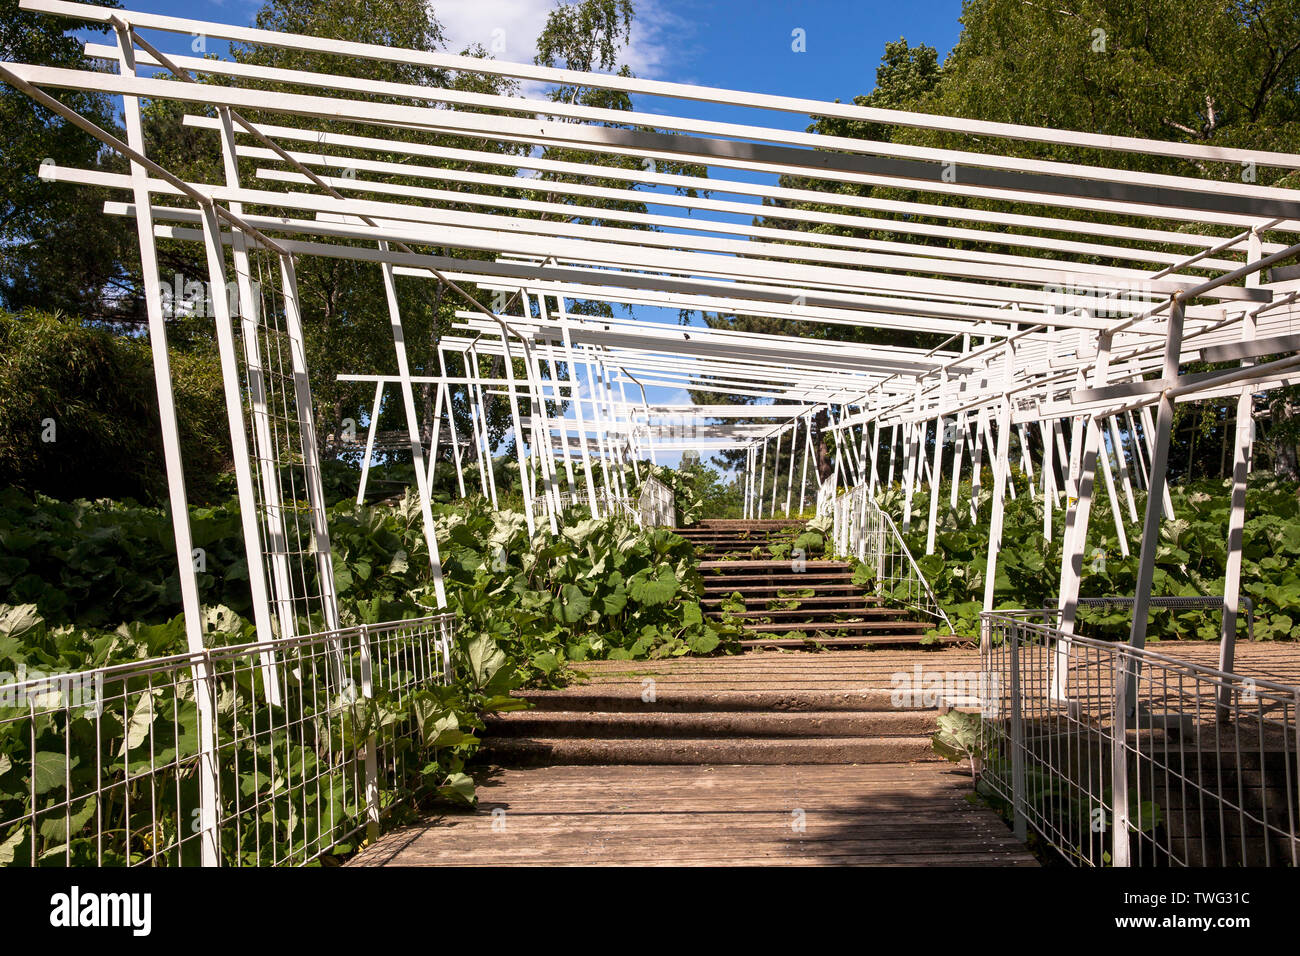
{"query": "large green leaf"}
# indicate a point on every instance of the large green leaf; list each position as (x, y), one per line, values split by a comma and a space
(571, 605)
(649, 588)
(485, 659)
(16, 621)
(49, 770)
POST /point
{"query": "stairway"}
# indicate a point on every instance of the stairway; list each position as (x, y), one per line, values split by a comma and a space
(789, 603)
(754, 709)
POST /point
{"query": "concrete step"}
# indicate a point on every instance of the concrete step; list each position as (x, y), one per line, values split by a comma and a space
(778, 575)
(824, 613)
(773, 590)
(709, 750)
(743, 524)
(882, 627)
(730, 537)
(812, 565)
(711, 724)
(863, 640)
(793, 582)
(755, 602)
(679, 699)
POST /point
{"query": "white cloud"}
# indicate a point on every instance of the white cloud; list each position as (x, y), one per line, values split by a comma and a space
(508, 30)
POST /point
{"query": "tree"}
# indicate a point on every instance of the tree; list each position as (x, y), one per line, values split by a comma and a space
(57, 248)
(79, 414)
(345, 314)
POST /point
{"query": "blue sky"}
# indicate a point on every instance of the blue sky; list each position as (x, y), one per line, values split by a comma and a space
(736, 44)
(741, 44)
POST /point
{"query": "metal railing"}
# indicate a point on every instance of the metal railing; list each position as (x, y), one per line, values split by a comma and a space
(861, 530)
(656, 505)
(1126, 757)
(607, 503)
(183, 760)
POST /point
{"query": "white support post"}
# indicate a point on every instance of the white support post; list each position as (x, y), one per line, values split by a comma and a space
(1100, 377)
(749, 481)
(178, 501)
(875, 457)
(598, 424)
(1121, 461)
(451, 425)
(543, 448)
(521, 446)
(1026, 463)
(413, 430)
(807, 454)
(893, 451)
(1076, 446)
(1072, 553)
(1159, 462)
(559, 404)
(576, 392)
(959, 448)
(1064, 454)
(915, 437)
(1048, 469)
(776, 474)
(1242, 450)
(370, 441)
(789, 478)
(1076, 530)
(994, 443)
(1121, 537)
(1000, 467)
(923, 463)
(1140, 462)
(838, 463)
(936, 470)
(633, 451)
(1150, 433)
(478, 409)
(862, 456)
(435, 433)
(762, 478)
(977, 462)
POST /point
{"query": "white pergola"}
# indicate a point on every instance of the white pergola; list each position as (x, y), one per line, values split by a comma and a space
(1034, 337)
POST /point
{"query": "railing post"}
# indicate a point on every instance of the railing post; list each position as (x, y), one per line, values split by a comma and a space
(205, 697)
(1019, 821)
(880, 556)
(372, 745)
(1119, 852)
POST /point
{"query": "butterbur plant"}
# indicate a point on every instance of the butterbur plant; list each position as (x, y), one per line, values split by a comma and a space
(600, 589)
(1191, 556)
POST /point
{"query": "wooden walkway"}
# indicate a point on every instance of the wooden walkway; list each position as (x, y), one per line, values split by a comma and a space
(895, 813)
(874, 814)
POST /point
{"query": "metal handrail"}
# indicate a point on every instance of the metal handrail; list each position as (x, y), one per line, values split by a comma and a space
(205, 717)
(858, 520)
